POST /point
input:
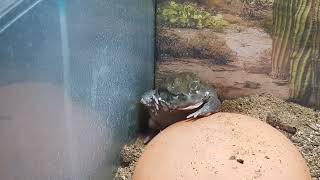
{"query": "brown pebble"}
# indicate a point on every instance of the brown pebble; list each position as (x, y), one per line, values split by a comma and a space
(241, 161)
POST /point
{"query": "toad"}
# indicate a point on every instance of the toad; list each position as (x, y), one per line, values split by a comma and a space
(180, 96)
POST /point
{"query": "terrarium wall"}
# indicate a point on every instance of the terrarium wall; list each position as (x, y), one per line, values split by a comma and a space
(71, 74)
(243, 47)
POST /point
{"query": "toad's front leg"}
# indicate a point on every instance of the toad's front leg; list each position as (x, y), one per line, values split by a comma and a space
(154, 129)
(212, 105)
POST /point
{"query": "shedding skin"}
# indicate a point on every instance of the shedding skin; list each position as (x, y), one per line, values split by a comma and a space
(210, 107)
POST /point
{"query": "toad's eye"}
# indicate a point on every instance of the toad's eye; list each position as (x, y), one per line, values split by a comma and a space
(171, 87)
(175, 97)
(194, 86)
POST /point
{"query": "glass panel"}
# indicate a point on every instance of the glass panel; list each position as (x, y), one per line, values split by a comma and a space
(71, 74)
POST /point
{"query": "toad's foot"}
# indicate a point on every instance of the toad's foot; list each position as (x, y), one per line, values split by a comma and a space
(149, 137)
(212, 106)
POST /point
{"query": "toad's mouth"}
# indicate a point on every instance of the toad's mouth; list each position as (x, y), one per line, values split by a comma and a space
(194, 106)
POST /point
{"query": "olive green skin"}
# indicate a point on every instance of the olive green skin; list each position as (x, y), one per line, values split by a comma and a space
(185, 89)
(180, 96)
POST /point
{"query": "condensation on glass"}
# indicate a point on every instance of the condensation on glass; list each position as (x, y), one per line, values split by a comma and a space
(71, 73)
